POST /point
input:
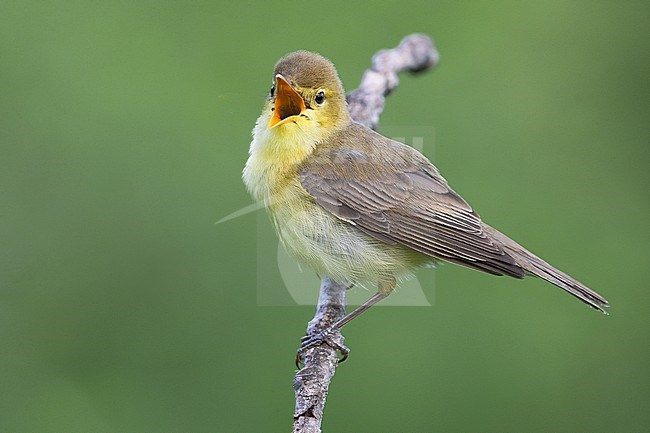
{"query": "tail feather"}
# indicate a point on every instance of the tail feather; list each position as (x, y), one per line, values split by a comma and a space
(539, 268)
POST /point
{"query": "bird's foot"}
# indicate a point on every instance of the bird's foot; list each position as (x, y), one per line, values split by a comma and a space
(323, 337)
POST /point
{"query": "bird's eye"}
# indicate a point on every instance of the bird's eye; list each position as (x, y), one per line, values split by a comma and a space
(272, 90)
(319, 98)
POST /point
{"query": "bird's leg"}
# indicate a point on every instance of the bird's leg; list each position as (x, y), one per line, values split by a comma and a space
(384, 288)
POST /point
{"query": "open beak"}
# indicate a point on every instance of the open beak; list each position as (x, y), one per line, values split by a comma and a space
(288, 102)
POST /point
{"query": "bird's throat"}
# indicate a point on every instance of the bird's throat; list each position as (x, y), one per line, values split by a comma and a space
(275, 155)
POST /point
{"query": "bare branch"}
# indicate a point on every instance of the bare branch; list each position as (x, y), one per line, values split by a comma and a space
(415, 53)
(312, 381)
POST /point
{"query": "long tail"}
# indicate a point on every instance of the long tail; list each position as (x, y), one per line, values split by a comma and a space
(532, 264)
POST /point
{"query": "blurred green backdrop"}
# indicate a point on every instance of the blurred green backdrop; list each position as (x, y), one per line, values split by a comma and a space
(124, 127)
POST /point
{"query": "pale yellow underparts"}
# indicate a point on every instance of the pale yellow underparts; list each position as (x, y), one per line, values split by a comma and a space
(330, 246)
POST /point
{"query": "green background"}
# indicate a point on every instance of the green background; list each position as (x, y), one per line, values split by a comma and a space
(124, 127)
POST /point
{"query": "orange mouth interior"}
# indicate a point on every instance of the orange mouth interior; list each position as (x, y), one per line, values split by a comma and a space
(288, 102)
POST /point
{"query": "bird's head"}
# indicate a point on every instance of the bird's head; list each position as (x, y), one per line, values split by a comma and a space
(306, 97)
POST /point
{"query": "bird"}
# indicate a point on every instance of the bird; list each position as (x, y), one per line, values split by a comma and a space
(361, 208)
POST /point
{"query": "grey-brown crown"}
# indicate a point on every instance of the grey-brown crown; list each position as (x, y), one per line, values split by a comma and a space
(307, 69)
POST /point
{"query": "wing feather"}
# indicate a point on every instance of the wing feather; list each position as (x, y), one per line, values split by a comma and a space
(394, 194)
